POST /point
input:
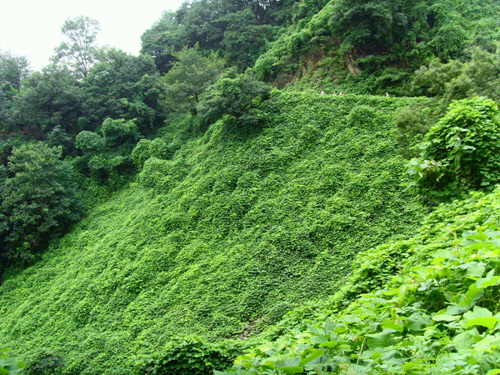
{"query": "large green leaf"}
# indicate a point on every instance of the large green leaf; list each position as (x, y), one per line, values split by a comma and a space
(380, 340)
(417, 322)
(488, 322)
(312, 357)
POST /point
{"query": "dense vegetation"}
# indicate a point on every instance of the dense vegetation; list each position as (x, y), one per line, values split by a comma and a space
(237, 229)
(438, 315)
(214, 198)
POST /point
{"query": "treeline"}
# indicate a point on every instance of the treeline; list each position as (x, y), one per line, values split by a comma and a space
(82, 115)
(374, 46)
(67, 132)
(46, 119)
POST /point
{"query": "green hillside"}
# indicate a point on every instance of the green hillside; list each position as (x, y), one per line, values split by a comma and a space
(249, 224)
(269, 187)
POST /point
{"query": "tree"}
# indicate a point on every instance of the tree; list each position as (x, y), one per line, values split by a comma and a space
(163, 40)
(375, 26)
(243, 38)
(13, 70)
(38, 199)
(237, 96)
(50, 98)
(122, 86)
(458, 80)
(189, 77)
(79, 50)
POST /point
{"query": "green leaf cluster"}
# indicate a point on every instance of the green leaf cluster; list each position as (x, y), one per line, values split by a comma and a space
(37, 200)
(8, 365)
(106, 154)
(460, 153)
(188, 355)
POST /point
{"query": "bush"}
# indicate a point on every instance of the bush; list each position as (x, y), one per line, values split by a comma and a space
(141, 153)
(460, 153)
(161, 175)
(237, 96)
(189, 356)
(362, 116)
(118, 132)
(45, 363)
(89, 141)
(413, 123)
(146, 149)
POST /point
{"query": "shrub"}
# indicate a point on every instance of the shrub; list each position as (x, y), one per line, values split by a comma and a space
(189, 356)
(460, 153)
(146, 149)
(238, 97)
(117, 132)
(161, 175)
(89, 141)
(141, 153)
(45, 363)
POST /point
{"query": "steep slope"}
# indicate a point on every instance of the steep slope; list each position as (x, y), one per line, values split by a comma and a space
(244, 226)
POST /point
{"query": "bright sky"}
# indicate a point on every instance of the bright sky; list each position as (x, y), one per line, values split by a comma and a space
(32, 28)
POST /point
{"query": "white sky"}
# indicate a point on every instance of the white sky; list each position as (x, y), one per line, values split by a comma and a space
(32, 28)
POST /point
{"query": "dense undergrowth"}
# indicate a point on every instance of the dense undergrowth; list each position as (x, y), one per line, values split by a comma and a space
(436, 313)
(240, 226)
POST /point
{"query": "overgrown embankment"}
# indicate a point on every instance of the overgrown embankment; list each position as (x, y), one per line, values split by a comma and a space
(430, 306)
(242, 226)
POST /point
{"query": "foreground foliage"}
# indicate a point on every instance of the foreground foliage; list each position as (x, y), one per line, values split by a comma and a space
(8, 365)
(438, 315)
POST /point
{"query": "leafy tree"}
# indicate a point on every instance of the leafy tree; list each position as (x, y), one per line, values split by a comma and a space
(237, 96)
(222, 25)
(89, 141)
(122, 86)
(163, 40)
(79, 50)
(244, 38)
(460, 153)
(58, 137)
(13, 70)
(190, 76)
(50, 98)
(458, 80)
(38, 199)
(374, 26)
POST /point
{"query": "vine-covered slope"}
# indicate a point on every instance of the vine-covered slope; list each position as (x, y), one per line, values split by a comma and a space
(438, 315)
(238, 231)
